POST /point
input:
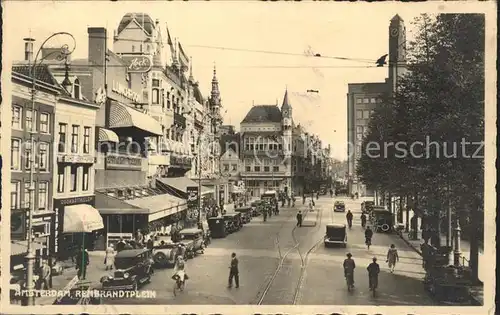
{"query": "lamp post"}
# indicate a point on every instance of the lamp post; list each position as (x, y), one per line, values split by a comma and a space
(63, 54)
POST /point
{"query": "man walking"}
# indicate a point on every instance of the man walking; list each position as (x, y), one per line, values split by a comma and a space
(82, 261)
(373, 271)
(44, 276)
(233, 272)
(299, 219)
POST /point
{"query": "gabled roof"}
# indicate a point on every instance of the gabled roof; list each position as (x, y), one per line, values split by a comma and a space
(286, 102)
(228, 152)
(42, 73)
(144, 21)
(229, 141)
(263, 113)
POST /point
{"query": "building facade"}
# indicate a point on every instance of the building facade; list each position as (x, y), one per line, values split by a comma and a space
(363, 98)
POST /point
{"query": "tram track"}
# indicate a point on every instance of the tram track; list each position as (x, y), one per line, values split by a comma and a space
(283, 257)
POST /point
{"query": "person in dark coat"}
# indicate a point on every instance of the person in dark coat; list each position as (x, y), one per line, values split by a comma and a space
(233, 272)
(82, 261)
(120, 245)
(373, 271)
(299, 219)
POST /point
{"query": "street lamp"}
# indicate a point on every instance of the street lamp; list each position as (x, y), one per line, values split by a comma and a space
(63, 55)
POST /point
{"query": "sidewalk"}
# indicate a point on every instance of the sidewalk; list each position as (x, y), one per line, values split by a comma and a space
(476, 292)
(95, 270)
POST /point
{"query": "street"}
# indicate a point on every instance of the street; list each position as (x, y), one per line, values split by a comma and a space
(271, 263)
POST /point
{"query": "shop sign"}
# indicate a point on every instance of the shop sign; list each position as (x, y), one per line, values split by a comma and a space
(192, 196)
(75, 200)
(122, 90)
(82, 159)
(121, 162)
(18, 225)
(138, 64)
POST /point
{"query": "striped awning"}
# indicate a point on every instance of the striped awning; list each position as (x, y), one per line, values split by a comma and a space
(106, 135)
(122, 116)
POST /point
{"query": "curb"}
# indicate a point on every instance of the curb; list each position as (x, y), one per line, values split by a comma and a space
(407, 242)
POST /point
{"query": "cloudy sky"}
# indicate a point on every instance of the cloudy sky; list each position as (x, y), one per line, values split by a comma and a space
(266, 45)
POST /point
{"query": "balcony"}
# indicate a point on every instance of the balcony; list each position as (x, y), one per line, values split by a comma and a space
(180, 162)
(180, 120)
(268, 153)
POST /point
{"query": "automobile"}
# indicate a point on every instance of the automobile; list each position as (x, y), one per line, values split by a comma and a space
(339, 206)
(165, 254)
(134, 267)
(382, 219)
(256, 208)
(217, 226)
(194, 241)
(335, 234)
(246, 214)
(269, 195)
(233, 222)
(367, 206)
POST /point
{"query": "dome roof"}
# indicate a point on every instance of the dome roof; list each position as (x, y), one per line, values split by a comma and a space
(263, 113)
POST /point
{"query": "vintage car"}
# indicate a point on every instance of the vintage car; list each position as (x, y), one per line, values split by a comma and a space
(194, 241)
(233, 222)
(246, 214)
(339, 206)
(217, 226)
(165, 254)
(269, 195)
(381, 219)
(256, 208)
(134, 267)
(367, 206)
(335, 234)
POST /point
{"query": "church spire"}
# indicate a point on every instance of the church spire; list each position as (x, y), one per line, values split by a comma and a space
(191, 78)
(215, 89)
(286, 102)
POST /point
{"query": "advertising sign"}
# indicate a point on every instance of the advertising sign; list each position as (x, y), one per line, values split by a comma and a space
(192, 198)
(138, 64)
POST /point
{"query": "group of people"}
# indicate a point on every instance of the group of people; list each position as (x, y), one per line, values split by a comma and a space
(373, 268)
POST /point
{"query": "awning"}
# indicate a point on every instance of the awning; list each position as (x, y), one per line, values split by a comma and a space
(81, 218)
(106, 135)
(21, 247)
(122, 116)
(181, 184)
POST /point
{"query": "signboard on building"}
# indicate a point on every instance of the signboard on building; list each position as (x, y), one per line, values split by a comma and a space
(18, 225)
(121, 162)
(81, 159)
(124, 91)
(192, 196)
(138, 64)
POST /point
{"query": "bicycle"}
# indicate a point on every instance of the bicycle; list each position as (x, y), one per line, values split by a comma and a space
(368, 242)
(180, 282)
(373, 285)
(349, 277)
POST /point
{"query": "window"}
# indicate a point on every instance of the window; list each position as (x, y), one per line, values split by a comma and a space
(266, 168)
(15, 154)
(234, 167)
(256, 168)
(60, 178)
(226, 167)
(15, 195)
(276, 168)
(359, 129)
(358, 151)
(43, 156)
(31, 120)
(44, 122)
(359, 114)
(359, 100)
(248, 168)
(129, 80)
(74, 138)
(86, 140)
(360, 136)
(74, 174)
(168, 100)
(76, 89)
(43, 194)
(373, 100)
(86, 178)
(156, 91)
(133, 48)
(366, 114)
(366, 100)
(371, 113)
(17, 113)
(27, 196)
(28, 155)
(62, 138)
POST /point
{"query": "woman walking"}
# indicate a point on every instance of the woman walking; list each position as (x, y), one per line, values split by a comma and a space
(392, 257)
(109, 260)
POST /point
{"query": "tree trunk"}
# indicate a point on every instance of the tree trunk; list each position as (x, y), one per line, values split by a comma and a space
(407, 224)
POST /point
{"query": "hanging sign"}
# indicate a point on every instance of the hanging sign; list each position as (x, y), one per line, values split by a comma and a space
(192, 196)
(138, 64)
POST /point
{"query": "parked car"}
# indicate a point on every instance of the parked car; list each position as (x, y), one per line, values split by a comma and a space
(134, 267)
(339, 206)
(217, 227)
(256, 208)
(233, 222)
(335, 234)
(367, 206)
(246, 214)
(194, 241)
(165, 254)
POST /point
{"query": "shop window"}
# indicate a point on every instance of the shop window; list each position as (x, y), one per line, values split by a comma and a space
(15, 195)
(17, 113)
(44, 122)
(86, 178)
(60, 178)
(15, 154)
(62, 138)
(43, 150)
(74, 178)
(43, 194)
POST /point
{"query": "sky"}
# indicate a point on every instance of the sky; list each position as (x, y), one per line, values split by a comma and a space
(246, 75)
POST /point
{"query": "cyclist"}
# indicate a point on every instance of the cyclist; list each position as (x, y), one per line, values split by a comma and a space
(349, 267)
(368, 236)
(349, 218)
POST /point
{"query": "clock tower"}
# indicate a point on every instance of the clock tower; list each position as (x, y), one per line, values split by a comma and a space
(397, 50)
(287, 124)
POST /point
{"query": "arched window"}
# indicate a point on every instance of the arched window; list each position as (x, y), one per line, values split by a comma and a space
(76, 89)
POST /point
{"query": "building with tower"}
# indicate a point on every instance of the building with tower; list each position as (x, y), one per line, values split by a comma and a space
(363, 98)
(266, 147)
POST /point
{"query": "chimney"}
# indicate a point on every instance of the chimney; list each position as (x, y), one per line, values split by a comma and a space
(97, 45)
(28, 49)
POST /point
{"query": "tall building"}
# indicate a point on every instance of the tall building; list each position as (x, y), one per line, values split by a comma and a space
(266, 137)
(363, 98)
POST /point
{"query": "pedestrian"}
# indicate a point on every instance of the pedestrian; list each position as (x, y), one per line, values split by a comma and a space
(139, 238)
(109, 259)
(120, 245)
(349, 217)
(82, 261)
(299, 219)
(234, 272)
(44, 275)
(304, 199)
(392, 257)
(276, 209)
(373, 271)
